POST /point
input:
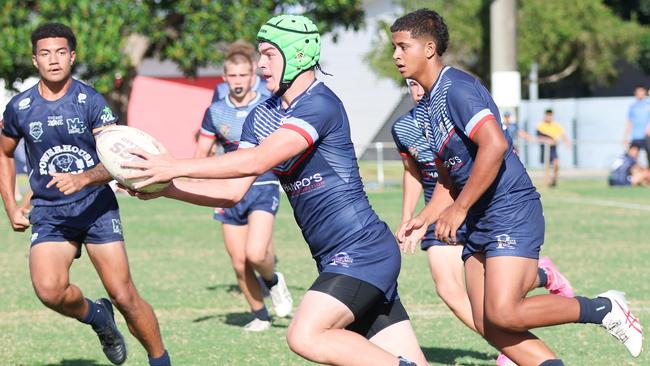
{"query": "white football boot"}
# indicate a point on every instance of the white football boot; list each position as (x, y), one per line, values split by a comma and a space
(622, 324)
(281, 297)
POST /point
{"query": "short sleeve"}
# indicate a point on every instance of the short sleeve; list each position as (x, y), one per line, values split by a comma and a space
(10, 126)
(469, 105)
(315, 117)
(248, 138)
(207, 125)
(403, 150)
(100, 113)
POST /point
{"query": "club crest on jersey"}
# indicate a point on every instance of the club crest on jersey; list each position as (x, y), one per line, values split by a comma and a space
(224, 129)
(75, 126)
(81, 98)
(36, 130)
(342, 259)
(505, 242)
(24, 104)
(107, 115)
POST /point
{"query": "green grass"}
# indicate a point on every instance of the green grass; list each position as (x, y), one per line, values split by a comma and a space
(180, 266)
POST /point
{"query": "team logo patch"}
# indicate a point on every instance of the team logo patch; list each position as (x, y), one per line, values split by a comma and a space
(107, 115)
(117, 226)
(75, 126)
(275, 204)
(24, 104)
(342, 259)
(34, 237)
(53, 121)
(81, 98)
(242, 114)
(36, 130)
(224, 129)
(505, 242)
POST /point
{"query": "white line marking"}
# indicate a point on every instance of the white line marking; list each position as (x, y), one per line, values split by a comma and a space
(607, 203)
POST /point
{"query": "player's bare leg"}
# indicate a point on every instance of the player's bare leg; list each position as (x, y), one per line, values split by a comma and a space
(258, 242)
(112, 265)
(316, 333)
(400, 340)
(235, 240)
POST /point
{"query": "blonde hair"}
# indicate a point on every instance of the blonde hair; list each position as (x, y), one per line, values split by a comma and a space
(240, 52)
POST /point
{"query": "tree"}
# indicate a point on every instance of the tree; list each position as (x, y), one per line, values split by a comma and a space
(113, 37)
(566, 38)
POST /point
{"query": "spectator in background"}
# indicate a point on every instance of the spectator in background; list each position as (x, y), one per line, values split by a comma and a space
(550, 132)
(516, 134)
(638, 122)
(258, 85)
(626, 172)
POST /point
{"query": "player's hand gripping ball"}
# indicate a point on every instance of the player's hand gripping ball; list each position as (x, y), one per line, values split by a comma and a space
(113, 146)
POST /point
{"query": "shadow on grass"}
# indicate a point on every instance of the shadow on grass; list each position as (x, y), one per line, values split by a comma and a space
(449, 356)
(235, 319)
(229, 288)
(78, 362)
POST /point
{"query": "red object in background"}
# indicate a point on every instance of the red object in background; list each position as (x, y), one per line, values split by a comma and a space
(171, 109)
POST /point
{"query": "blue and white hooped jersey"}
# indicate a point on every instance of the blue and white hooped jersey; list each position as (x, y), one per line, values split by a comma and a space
(223, 121)
(456, 107)
(411, 143)
(322, 183)
(58, 135)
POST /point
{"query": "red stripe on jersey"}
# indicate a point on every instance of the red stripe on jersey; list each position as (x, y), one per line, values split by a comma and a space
(444, 144)
(292, 167)
(212, 137)
(405, 155)
(480, 123)
(302, 132)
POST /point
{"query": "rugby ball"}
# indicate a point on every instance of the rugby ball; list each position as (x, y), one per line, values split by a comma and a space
(113, 145)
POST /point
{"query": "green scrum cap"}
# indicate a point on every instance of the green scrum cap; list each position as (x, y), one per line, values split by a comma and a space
(297, 38)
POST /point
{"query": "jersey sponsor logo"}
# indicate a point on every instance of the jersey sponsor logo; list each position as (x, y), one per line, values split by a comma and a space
(107, 115)
(36, 130)
(24, 104)
(453, 162)
(504, 241)
(75, 126)
(64, 159)
(117, 226)
(304, 185)
(53, 121)
(81, 98)
(342, 259)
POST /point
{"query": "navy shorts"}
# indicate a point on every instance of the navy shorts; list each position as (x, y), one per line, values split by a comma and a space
(260, 197)
(552, 151)
(429, 240)
(510, 230)
(94, 219)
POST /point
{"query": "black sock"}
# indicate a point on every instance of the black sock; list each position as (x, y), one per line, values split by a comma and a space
(543, 278)
(163, 360)
(262, 314)
(593, 310)
(272, 282)
(553, 362)
(96, 315)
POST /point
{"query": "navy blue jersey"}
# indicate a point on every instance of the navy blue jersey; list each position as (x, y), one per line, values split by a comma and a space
(621, 171)
(322, 183)
(449, 115)
(223, 121)
(411, 143)
(58, 136)
(222, 90)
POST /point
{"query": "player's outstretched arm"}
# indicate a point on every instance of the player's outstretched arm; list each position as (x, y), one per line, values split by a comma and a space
(412, 188)
(16, 215)
(278, 147)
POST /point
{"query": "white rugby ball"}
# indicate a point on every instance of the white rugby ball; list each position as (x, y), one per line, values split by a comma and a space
(113, 145)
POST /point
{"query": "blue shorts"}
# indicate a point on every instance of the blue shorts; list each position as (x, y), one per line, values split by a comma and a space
(94, 219)
(510, 230)
(260, 197)
(430, 239)
(371, 256)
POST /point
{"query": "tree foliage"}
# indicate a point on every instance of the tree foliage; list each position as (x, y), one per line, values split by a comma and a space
(583, 38)
(114, 36)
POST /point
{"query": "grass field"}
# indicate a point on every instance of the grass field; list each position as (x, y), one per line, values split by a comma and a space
(599, 237)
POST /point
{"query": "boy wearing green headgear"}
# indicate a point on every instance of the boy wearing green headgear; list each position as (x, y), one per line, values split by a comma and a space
(352, 314)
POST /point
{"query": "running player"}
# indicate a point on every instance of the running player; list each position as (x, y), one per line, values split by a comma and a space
(483, 182)
(445, 263)
(351, 315)
(248, 226)
(72, 203)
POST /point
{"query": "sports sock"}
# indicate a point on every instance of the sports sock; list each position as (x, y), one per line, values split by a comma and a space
(553, 362)
(404, 362)
(262, 314)
(543, 277)
(272, 282)
(593, 310)
(96, 316)
(163, 360)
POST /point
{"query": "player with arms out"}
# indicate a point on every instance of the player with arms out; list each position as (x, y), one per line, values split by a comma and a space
(484, 184)
(351, 315)
(248, 226)
(73, 205)
(445, 263)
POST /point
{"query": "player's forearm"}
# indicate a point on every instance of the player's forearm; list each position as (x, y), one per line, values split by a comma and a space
(487, 163)
(211, 193)
(410, 195)
(97, 175)
(240, 163)
(440, 200)
(8, 183)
